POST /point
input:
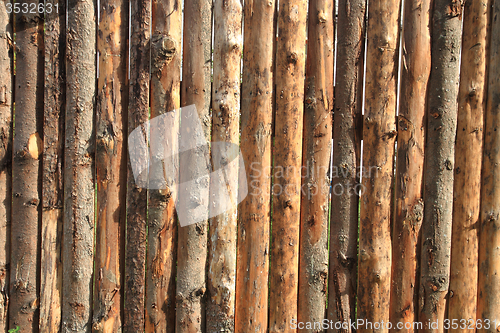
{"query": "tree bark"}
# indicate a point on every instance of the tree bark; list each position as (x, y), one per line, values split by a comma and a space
(6, 77)
(53, 165)
(221, 278)
(468, 147)
(379, 132)
(290, 61)
(318, 112)
(138, 115)
(111, 167)
(78, 228)
(26, 186)
(346, 162)
(162, 231)
(409, 205)
(441, 132)
(488, 306)
(192, 239)
(251, 313)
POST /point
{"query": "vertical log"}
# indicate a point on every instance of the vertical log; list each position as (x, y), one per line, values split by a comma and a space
(346, 158)
(26, 188)
(221, 278)
(379, 132)
(318, 112)
(111, 172)
(489, 240)
(290, 65)
(416, 67)
(440, 149)
(162, 231)
(192, 239)
(254, 211)
(78, 228)
(6, 72)
(469, 144)
(53, 165)
(138, 115)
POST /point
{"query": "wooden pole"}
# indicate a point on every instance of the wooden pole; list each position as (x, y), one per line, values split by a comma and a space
(111, 167)
(409, 205)
(466, 204)
(347, 133)
(251, 314)
(315, 190)
(440, 147)
(221, 278)
(290, 65)
(379, 132)
(53, 171)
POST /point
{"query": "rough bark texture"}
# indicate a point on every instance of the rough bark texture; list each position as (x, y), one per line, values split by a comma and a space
(6, 72)
(290, 65)
(379, 132)
(409, 204)
(488, 306)
(79, 187)
(346, 158)
(254, 211)
(221, 277)
(469, 144)
(192, 239)
(53, 166)
(138, 115)
(440, 147)
(162, 231)
(318, 112)
(26, 186)
(111, 167)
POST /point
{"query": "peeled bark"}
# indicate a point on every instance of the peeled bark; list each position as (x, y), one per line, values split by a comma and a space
(53, 166)
(6, 72)
(440, 149)
(192, 239)
(138, 115)
(318, 112)
(286, 190)
(346, 159)
(254, 211)
(469, 144)
(488, 306)
(26, 185)
(79, 187)
(409, 204)
(379, 132)
(162, 231)
(111, 172)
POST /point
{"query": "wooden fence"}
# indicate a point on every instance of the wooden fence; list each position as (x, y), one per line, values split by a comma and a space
(399, 231)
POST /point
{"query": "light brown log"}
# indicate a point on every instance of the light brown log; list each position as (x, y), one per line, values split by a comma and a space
(79, 159)
(111, 172)
(53, 169)
(488, 306)
(468, 157)
(379, 132)
(137, 194)
(442, 109)
(192, 239)
(252, 271)
(162, 231)
(6, 77)
(26, 186)
(318, 112)
(412, 122)
(346, 159)
(290, 67)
